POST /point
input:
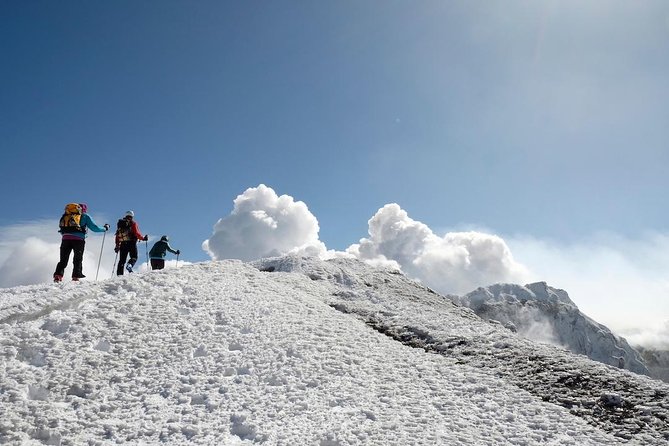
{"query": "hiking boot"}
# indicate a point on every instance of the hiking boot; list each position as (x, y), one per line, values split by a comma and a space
(128, 267)
(75, 279)
(57, 278)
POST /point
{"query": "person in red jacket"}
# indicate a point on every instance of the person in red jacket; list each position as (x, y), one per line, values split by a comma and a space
(127, 235)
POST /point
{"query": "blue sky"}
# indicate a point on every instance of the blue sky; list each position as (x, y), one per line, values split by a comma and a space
(542, 120)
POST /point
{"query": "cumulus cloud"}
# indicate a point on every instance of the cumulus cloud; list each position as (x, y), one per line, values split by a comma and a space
(455, 263)
(263, 224)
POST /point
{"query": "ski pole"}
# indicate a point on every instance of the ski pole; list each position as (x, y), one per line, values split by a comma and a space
(177, 265)
(148, 264)
(114, 265)
(100, 258)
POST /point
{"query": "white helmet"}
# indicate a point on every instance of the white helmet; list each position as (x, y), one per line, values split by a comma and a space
(130, 214)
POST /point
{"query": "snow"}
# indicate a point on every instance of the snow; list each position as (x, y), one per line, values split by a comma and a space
(546, 314)
(291, 351)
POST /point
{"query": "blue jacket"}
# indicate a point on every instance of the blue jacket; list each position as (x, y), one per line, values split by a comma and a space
(85, 223)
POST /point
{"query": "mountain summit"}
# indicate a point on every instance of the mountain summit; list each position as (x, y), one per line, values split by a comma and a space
(296, 351)
(543, 313)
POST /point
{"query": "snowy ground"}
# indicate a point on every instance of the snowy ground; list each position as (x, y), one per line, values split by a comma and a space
(295, 351)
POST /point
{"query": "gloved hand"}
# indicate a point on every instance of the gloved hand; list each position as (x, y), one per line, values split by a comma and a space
(106, 226)
(116, 249)
(146, 238)
(178, 252)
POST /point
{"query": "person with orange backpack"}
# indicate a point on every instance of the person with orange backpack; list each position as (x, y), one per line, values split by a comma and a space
(73, 226)
(127, 235)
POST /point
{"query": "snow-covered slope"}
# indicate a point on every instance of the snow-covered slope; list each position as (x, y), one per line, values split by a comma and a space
(657, 362)
(548, 314)
(295, 351)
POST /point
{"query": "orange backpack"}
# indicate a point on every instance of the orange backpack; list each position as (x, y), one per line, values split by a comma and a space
(71, 219)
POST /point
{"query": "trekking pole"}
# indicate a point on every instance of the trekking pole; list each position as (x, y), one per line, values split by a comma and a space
(114, 265)
(100, 258)
(177, 265)
(148, 264)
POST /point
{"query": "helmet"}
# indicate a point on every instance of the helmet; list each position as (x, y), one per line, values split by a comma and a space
(83, 207)
(164, 238)
(129, 214)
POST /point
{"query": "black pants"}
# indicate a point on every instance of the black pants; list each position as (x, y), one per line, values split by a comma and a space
(66, 247)
(126, 248)
(157, 263)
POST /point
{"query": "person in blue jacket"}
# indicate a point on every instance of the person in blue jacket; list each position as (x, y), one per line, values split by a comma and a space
(73, 226)
(158, 251)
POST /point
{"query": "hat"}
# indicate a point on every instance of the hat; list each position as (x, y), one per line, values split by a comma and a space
(83, 207)
(129, 214)
(164, 238)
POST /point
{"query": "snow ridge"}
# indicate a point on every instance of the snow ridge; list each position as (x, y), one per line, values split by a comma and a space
(611, 399)
(295, 351)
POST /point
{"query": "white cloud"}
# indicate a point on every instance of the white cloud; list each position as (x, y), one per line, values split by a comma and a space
(28, 252)
(650, 335)
(28, 262)
(263, 224)
(455, 263)
(13, 235)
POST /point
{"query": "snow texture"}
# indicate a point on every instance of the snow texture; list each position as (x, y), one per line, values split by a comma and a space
(292, 351)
